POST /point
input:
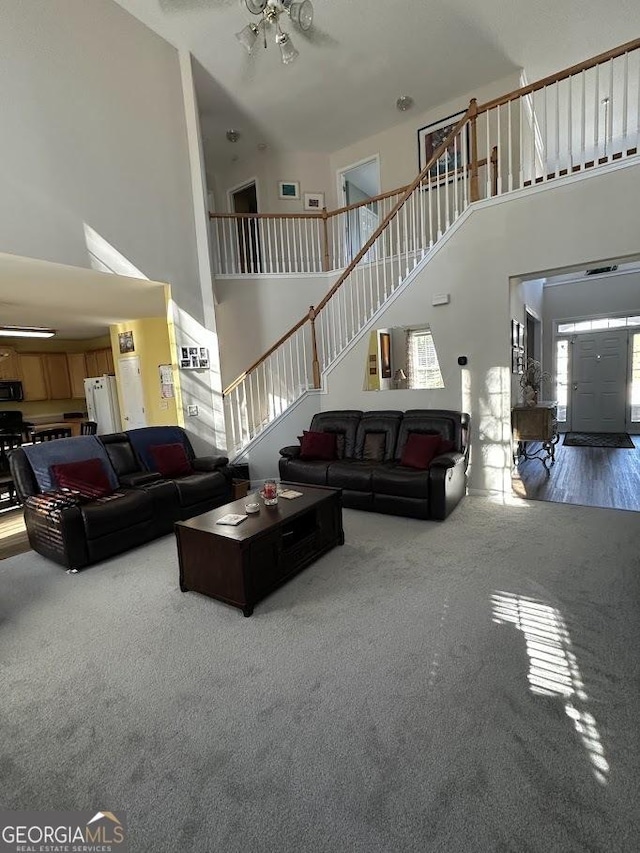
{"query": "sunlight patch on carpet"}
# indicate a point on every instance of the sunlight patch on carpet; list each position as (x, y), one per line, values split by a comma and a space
(553, 667)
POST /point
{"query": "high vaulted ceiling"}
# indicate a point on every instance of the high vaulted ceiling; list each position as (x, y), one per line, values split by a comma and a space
(360, 55)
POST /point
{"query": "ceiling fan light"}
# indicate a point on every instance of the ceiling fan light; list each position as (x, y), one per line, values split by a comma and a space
(248, 36)
(256, 7)
(302, 14)
(288, 51)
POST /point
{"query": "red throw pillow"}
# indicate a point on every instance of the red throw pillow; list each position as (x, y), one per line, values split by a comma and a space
(88, 477)
(420, 449)
(318, 446)
(171, 460)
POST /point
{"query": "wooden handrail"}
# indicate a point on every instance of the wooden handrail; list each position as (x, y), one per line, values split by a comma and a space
(370, 200)
(411, 187)
(266, 355)
(470, 116)
(313, 313)
(562, 75)
(266, 216)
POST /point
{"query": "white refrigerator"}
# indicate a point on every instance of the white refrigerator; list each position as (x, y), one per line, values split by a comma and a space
(102, 403)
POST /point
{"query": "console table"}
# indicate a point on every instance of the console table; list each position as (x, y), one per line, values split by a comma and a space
(535, 423)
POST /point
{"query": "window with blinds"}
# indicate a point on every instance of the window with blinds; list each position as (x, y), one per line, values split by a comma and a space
(423, 368)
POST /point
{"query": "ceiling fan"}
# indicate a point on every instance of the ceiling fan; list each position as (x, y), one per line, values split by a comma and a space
(300, 13)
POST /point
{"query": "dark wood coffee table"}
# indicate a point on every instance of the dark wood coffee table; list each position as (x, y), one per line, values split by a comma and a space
(241, 565)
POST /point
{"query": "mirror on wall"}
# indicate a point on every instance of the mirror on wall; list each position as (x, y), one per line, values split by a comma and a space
(402, 358)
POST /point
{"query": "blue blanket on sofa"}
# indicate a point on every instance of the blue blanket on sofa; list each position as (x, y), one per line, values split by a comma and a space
(77, 449)
(146, 437)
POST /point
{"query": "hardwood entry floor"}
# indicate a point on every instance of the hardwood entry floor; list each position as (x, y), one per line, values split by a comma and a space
(589, 476)
(13, 536)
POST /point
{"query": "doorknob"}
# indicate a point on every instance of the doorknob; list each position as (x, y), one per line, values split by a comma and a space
(575, 386)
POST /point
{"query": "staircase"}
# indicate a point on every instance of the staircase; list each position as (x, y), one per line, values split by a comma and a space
(581, 119)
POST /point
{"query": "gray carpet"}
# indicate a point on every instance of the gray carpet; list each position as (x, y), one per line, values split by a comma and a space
(599, 439)
(468, 686)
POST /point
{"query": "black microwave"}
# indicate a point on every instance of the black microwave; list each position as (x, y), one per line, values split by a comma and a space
(11, 391)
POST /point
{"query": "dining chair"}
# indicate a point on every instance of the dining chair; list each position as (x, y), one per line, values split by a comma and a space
(88, 428)
(8, 443)
(39, 435)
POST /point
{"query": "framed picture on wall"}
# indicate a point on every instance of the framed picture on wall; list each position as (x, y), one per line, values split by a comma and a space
(313, 201)
(125, 340)
(385, 355)
(432, 136)
(288, 189)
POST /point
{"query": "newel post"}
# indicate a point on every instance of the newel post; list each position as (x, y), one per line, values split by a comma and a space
(494, 170)
(315, 364)
(473, 118)
(325, 243)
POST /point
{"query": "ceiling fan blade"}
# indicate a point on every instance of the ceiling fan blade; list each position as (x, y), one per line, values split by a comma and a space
(316, 36)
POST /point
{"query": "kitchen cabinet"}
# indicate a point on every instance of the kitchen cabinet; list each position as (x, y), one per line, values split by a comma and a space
(104, 361)
(57, 376)
(77, 367)
(34, 385)
(9, 367)
(91, 363)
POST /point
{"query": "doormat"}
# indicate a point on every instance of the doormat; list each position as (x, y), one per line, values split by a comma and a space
(598, 439)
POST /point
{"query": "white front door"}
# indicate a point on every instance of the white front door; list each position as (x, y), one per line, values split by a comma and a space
(599, 381)
(131, 395)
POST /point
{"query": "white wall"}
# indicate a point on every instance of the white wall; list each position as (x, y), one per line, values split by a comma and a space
(310, 169)
(533, 231)
(397, 146)
(94, 134)
(597, 296)
(253, 312)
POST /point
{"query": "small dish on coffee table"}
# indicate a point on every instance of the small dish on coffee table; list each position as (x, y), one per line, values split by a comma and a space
(252, 508)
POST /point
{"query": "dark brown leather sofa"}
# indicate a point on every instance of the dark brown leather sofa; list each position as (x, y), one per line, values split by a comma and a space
(383, 484)
(77, 532)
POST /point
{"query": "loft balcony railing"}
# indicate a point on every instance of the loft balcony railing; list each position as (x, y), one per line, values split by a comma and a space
(582, 118)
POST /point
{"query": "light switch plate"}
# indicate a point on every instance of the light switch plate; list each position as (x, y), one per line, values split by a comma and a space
(192, 411)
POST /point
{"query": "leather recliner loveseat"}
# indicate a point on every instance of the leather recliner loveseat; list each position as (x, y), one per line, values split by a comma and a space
(367, 466)
(76, 531)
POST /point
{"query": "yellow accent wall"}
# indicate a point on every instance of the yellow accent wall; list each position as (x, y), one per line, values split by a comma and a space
(153, 347)
(372, 380)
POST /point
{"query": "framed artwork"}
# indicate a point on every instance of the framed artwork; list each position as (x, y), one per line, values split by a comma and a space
(288, 189)
(431, 137)
(125, 340)
(385, 355)
(517, 360)
(194, 358)
(517, 334)
(313, 201)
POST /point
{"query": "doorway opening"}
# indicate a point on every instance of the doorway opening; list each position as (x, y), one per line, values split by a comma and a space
(244, 199)
(356, 184)
(593, 356)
